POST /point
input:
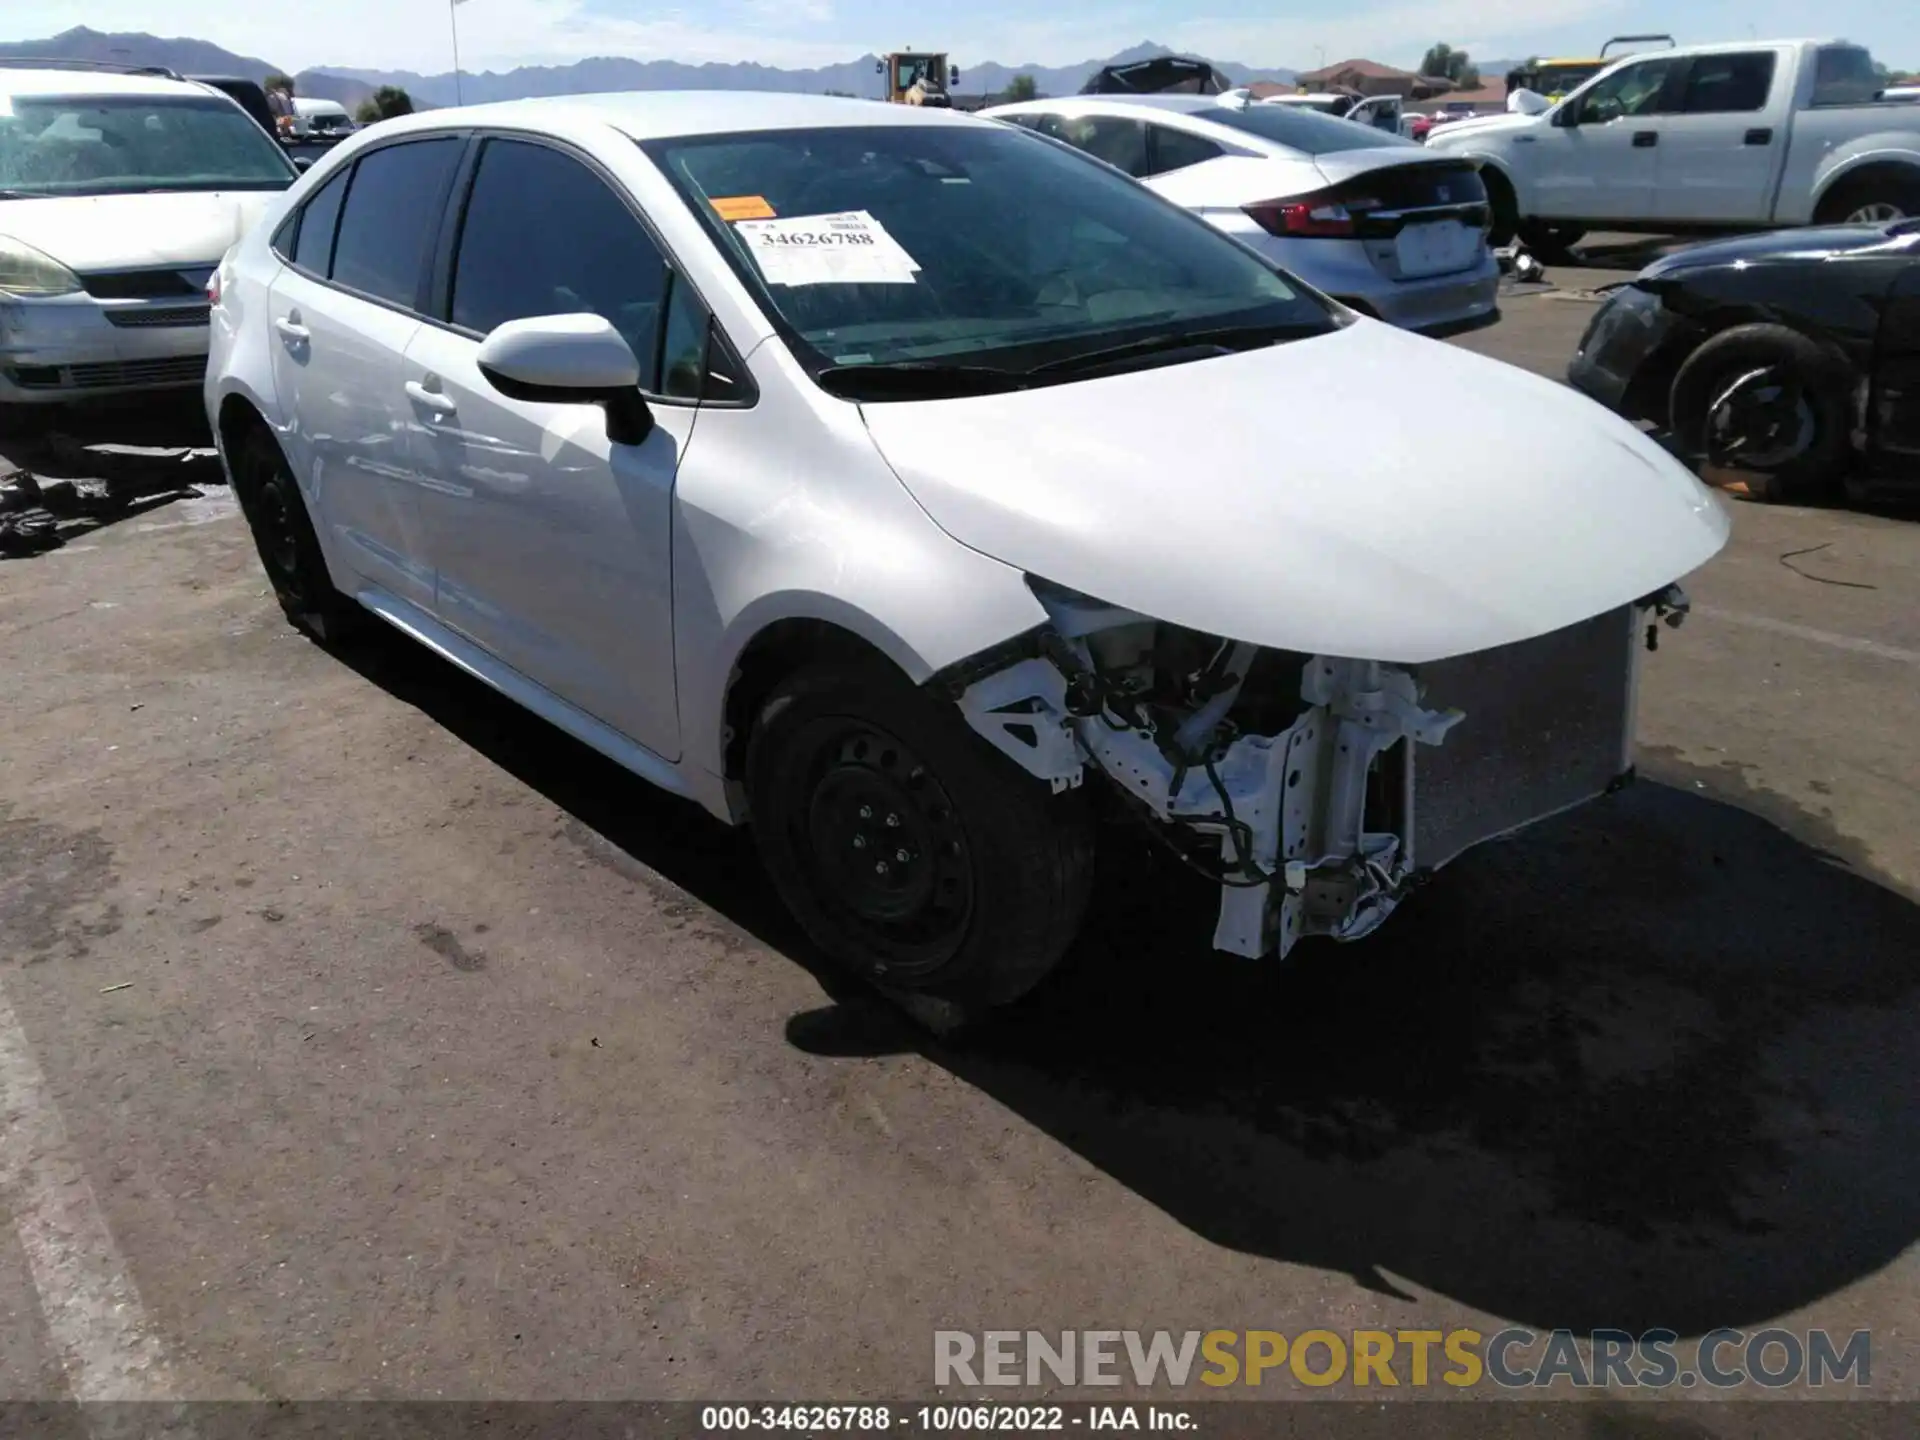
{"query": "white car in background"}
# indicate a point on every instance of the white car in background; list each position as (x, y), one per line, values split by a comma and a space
(1367, 217)
(1381, 112)
(906, 486)
(119, 193)
(1740, 136)
(321, 119)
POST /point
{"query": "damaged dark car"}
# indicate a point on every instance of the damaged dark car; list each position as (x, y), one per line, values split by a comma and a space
(1792, 358)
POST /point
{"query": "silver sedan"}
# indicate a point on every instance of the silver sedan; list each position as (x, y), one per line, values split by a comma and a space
(1380, 223)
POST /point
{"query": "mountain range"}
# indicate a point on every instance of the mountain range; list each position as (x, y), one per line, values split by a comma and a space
(350, 86)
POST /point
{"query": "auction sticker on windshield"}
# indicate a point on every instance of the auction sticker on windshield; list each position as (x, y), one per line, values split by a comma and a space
(741, 207)
(848, 248)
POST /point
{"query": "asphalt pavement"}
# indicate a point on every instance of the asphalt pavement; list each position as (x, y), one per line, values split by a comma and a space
(361, 1036)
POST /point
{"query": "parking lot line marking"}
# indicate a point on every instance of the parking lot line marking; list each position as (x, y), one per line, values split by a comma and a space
(92, 1311)
(1878, 649)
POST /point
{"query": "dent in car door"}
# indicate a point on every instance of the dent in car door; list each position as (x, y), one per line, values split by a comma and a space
(1722, 148)
(552, 544)
(1896, 388)
(341, 319)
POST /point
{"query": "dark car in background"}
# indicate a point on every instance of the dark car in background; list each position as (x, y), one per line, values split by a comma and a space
(249, 95)
(1792, 358)
(1161, 75)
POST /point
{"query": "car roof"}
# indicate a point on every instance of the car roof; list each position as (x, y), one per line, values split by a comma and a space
(1723, 47)
(56, 80)
(1178, 104)
(669, 114)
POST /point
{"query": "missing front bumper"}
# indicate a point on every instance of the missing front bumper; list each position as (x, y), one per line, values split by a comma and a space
(1385, 774)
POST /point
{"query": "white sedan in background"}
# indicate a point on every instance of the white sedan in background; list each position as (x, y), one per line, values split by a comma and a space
(1369, 218)
(119, 193)
(906, 486)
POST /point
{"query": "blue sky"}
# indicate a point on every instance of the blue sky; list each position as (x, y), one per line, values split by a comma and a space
(413, 34)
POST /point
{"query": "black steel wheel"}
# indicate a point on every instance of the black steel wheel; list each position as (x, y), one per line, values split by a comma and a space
(283, 535)
(883, 842)
(1770, 403)
(910, 851)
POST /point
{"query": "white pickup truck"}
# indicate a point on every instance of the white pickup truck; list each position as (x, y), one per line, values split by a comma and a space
(1702, 138)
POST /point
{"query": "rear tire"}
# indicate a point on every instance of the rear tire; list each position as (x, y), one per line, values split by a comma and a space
(1770, 402)
(910, 852)
(1871, 200)
(289, 550)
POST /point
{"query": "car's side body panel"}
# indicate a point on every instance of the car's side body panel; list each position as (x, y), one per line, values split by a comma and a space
(756, 544)
(1894, 407)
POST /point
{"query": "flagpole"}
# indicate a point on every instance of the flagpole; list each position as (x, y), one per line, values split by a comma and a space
(453, 22)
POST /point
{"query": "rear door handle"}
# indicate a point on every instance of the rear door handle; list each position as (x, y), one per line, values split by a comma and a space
(291, 329)
(1645, 139)
(430, 399)
(1759, 137)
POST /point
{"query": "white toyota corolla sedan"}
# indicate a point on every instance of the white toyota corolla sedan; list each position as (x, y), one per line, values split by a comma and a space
(915, 490)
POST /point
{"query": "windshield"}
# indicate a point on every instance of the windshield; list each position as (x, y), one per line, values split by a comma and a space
(981, 246)
(1299, 128)
(120, 144)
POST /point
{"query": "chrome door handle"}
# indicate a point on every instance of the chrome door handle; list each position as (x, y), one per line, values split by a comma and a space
(291, 330)
(430, 399)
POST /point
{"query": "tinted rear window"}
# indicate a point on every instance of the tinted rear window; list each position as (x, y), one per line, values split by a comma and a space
(1299, 128)
(1845, 76)
(393, 212)
(314, 249)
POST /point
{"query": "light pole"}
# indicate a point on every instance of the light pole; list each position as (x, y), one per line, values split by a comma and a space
(453, 22)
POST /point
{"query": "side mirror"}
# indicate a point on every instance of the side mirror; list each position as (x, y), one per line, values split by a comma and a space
(1528, 102)
(303, 163)
(569, 360)
(954, 76)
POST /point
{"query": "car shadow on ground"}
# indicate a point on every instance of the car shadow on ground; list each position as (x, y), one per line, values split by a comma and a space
(1649, 1065)
(80, 475)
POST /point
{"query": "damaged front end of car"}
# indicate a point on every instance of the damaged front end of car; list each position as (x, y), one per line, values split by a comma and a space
(1317, 791)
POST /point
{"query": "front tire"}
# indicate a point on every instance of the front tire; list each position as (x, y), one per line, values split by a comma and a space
(289, 550)
(1504, 208)
(1770, 402)
(910, 852)
(1553, 244)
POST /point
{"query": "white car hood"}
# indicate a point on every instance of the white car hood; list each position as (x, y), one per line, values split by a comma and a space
(1366, 494)
(132, 232)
